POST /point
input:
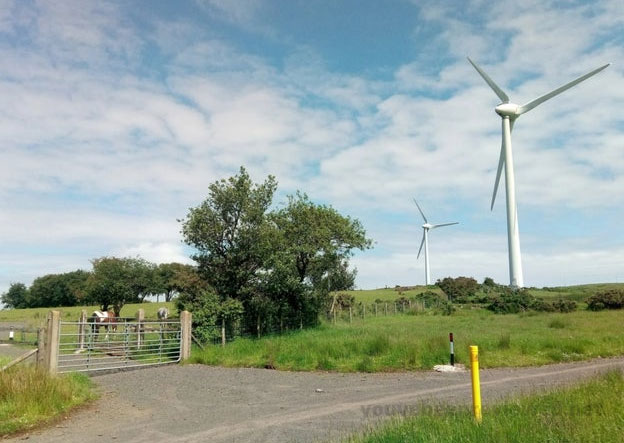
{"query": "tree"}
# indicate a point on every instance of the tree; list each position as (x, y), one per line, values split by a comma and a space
(174, 277)
(318, 238)
(54, 290)
(117, 281)
(458, 289)
(269, 262)
(338, 278)
(16, 297)
(229, 231)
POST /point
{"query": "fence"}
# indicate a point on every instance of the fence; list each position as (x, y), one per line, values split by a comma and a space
(22, 334)
(336, 314)
(362, 310)
(84, 346)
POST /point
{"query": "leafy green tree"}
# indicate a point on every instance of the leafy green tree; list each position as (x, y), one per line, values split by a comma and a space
(338, 278)
(229, 230)
(458, 289)
(319, 239)
(174, 277)
(117, 281)
(270, 262)
(16, 297)
(54, 290)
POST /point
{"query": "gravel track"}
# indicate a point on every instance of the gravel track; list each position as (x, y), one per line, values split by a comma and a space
(195, 403)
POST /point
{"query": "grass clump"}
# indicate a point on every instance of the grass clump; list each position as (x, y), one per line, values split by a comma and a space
(591, 412)
(29, 397)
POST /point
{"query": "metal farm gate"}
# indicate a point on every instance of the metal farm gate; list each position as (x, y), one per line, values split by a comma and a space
(127, 343)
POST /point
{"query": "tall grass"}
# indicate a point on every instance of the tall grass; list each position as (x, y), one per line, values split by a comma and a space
(406, 342)
(591, 412)
(29, 396)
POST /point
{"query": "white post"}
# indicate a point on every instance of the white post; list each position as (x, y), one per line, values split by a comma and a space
(513, 235)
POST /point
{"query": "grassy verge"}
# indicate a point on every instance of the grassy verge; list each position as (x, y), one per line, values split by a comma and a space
(29, 397)
(591, 412)
(408, 342)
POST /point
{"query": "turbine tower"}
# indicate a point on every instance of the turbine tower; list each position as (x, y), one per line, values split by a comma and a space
(509, 112)
(425, 241)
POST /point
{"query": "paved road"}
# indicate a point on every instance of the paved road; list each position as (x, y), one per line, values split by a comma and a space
(195, 403)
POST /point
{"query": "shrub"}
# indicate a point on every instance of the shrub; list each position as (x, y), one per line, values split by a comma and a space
(429, 298)
(344, 300)
(458, 289)
(511, 301)
(609, 299)
(564, 305)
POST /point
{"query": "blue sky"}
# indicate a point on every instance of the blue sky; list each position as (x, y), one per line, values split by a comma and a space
(118, 115)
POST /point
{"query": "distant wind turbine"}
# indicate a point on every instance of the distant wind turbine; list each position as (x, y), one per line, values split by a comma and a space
(425, 240)
(509, 112)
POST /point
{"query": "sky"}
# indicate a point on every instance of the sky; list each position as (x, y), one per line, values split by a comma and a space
(118, 115)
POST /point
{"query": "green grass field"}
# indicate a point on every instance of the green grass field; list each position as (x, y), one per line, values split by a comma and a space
(577, 293)
(36, 317)
(29, 397)
(591, 412)
(413, 342)
(390, 294)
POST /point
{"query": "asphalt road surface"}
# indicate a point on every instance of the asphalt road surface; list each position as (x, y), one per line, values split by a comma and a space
(195, 403)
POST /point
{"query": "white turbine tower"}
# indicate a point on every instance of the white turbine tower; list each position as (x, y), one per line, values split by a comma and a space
(509, 112)
(425, 241)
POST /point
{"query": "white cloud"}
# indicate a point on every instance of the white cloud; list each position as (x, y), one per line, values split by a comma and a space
(111, 156)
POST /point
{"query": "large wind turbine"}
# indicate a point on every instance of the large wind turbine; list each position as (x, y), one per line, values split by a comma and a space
(425, 241)
(509, 112)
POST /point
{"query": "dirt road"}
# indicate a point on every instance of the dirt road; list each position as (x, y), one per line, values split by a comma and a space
(196, 403)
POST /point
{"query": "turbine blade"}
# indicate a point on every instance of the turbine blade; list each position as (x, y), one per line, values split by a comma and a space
(421, 212)
(422, 242)
(444, 224)
(490, 82)
(501, 162)
(527, 107)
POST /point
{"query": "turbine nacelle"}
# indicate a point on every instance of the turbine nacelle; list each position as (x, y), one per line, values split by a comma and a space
(510, 110)
(427, 226)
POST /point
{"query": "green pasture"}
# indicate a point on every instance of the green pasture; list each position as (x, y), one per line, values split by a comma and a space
(590, 412)
(36, 317)
(418, 342)
(577, 293)
(389, 294)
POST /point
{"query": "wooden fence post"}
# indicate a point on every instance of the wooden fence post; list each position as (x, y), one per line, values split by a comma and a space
(223, 331)
(140, 319)
(350, 315)
(82, 327)
(185, 338)
(41, 349)
(52, 341)
(386, 308)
